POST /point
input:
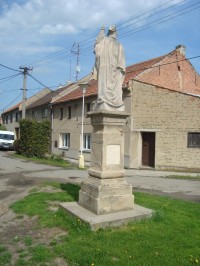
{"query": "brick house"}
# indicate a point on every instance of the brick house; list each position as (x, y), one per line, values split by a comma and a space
(162, 96)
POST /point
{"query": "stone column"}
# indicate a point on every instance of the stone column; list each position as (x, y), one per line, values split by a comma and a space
(106, 190)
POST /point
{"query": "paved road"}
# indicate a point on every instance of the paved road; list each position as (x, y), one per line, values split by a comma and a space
(17, 176)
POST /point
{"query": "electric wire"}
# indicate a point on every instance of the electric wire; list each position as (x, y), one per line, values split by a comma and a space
(127, 33)
(58, 56)
(149, 16)
(68, 50)
(2, 80)
(11, 102)
(10, 68)
(138, 69)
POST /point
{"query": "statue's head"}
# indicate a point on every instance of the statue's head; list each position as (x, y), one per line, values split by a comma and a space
(112, 31)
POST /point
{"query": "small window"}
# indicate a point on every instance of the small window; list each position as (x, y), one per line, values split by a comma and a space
(11, 118)
(65, 140)
(44, 112)
(69, 112)
(194, 140)
(33, 114)
(55, 144)
(16, 117)
(61, 113)
(86, 141)
(88, 107)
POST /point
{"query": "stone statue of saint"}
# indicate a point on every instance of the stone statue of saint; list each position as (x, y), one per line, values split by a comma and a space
(109, 70)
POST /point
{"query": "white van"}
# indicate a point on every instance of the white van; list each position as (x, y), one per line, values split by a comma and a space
(6, 139)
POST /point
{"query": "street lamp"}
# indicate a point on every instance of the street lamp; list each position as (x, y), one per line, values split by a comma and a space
(83, 87)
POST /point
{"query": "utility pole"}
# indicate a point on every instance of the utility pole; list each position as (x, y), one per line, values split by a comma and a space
(25, 72)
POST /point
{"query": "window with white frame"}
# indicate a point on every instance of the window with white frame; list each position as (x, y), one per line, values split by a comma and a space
(86, 141)
(65, 140)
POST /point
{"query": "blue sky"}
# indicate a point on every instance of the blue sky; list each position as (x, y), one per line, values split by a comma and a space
(41, 34)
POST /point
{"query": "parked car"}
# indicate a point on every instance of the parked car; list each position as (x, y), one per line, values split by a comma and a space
(6, 139)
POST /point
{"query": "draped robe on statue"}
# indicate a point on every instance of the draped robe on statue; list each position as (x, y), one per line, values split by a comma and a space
(109, 71)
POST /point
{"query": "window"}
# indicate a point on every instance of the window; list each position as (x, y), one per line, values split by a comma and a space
(16, 117)
(86, 141)
(65, 140)
(11, 118)
(33, 114)
(6, 119)
(69, 112)
(61, 113)
(88, 108)
(194, 140)
(44, 112)
(76, 111)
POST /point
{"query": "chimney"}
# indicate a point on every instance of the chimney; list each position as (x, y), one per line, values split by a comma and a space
(181, 48)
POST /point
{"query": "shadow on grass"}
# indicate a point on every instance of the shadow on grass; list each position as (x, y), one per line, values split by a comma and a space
(71, 189)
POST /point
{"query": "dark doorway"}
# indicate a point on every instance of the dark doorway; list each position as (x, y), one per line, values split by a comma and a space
(148, 149)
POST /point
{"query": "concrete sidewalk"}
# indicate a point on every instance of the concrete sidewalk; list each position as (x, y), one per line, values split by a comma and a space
(157, 182)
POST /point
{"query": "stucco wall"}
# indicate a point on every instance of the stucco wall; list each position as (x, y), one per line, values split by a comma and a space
(72, 126)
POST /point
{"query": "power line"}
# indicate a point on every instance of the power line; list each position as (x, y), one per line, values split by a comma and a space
(161, 20)
(67, 50)
(133, 18)
(132, 31)
(139, 69)
(150, 15)
(11, 102)
(10, 68)
(9, 78)
(38, 81)
(169, 63)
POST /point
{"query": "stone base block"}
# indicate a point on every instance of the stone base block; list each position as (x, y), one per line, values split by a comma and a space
(103, 196)
(106, 220)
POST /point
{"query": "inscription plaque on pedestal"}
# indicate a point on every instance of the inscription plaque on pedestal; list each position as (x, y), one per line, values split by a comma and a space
(112, 154)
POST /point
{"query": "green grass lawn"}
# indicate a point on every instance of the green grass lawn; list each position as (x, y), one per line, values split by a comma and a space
(171, 237)
(50, 160)
(185, 177)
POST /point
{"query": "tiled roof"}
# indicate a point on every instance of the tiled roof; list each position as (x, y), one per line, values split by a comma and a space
(173, 72)
(77, 93)
(12, 108)
(136, 69)
(131, 72)
(46, 98)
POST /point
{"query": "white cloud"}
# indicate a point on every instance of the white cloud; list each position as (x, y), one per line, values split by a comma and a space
(31, 25)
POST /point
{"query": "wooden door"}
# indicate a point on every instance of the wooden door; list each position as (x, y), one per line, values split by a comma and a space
(148, 149)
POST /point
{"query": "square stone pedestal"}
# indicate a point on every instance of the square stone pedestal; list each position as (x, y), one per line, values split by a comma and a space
(105, 195)
(106, 190)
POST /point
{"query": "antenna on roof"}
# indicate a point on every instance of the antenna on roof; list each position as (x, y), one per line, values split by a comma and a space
(76, 51)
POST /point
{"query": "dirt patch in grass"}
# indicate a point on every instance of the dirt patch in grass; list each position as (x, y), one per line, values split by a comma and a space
(22, 232)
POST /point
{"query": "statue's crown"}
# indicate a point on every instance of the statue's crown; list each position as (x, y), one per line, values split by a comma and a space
(112, 28)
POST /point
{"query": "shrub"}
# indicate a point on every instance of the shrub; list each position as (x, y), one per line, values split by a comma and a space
(16, 145)
(2, 127)
(34, 138)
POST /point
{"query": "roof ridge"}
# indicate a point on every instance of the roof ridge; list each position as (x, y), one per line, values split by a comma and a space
(146, 61)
